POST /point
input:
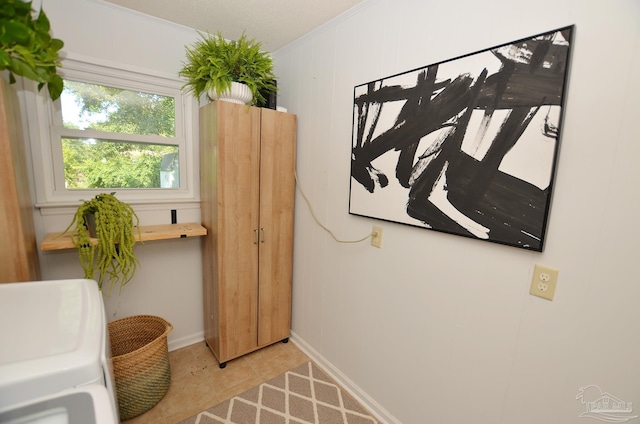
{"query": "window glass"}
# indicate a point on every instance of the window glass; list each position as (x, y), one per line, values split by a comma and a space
(109, 158)
(91, 163)
(116, 110)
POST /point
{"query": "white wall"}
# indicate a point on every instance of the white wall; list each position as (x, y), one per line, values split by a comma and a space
(168, 281)
(432, 327)
(436, 328)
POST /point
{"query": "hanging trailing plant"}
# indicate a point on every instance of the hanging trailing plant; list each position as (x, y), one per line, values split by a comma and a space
(27, 48)
(112, 256)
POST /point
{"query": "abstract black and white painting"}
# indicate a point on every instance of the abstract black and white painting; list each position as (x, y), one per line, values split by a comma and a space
(467, 146)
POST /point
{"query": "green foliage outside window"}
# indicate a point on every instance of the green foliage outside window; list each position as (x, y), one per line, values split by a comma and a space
(106, 164)
(109, 162)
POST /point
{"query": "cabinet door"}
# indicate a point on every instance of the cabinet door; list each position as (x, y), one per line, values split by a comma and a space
(237, 202)
(277, 185)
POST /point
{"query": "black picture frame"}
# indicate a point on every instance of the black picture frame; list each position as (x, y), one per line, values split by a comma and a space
(468, 146)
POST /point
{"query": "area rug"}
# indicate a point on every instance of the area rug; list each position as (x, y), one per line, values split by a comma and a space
(303, 395)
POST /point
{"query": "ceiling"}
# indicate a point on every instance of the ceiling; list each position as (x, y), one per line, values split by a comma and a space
(274, 23)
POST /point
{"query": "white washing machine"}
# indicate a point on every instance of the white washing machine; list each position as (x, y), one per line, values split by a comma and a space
(54, 354)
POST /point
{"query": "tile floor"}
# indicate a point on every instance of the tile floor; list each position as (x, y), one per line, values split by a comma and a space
(197, 382)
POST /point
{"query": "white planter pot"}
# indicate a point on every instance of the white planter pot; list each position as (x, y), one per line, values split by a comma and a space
(239, 93)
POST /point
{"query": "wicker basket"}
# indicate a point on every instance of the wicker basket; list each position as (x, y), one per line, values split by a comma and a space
(140, 362)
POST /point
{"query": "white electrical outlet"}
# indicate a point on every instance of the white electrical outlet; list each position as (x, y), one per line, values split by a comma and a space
(543, 282)
(376, 238)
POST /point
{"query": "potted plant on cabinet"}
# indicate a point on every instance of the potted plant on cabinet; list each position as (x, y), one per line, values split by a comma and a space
(27, 48)
(215, 64)
(111, 255)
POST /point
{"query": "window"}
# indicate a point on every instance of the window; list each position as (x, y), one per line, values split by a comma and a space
(138, 134)
(115, 130)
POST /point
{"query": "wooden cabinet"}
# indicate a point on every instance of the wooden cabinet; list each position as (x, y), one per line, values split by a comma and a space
(247, 191)
(18, 249)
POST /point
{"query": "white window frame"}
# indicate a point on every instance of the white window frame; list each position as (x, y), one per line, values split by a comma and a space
(47, 154)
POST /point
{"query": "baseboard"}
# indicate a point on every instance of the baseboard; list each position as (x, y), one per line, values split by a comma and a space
(353, 389)
(175, 344)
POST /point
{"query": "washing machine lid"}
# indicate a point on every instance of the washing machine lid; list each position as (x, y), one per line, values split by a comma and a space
(53, 333)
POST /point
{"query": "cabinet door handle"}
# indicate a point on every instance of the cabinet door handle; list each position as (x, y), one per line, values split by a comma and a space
(262, 231)
(255, 231)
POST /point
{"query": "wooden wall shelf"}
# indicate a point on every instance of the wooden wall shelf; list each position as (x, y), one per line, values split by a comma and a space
(59, 241)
